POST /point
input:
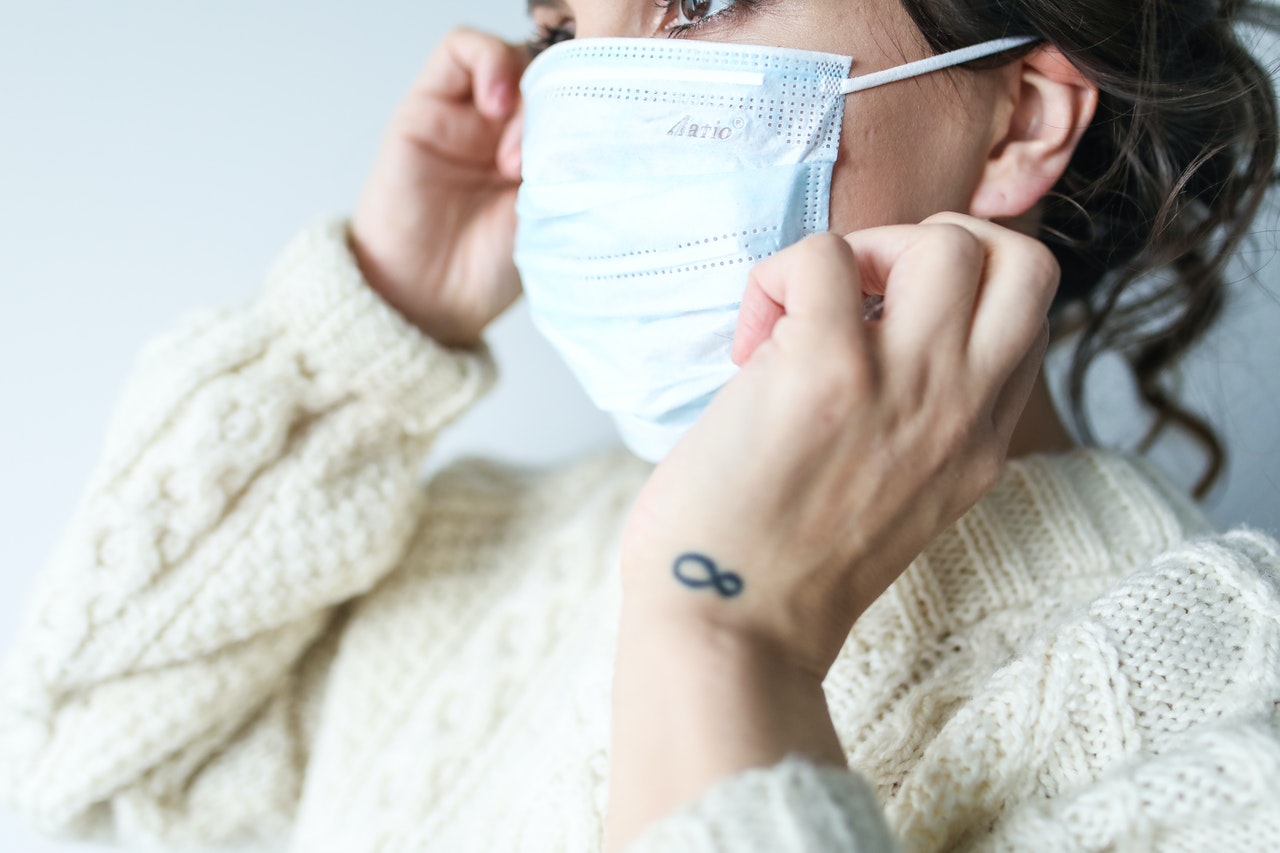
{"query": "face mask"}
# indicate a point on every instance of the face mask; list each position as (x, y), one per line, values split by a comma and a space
(656, 174)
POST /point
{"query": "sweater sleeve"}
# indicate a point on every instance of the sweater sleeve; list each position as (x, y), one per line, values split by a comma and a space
(260, 469)
(1148, 719)
(794, 806)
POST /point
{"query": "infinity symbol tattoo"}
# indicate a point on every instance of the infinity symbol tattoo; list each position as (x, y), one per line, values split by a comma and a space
(727, 583)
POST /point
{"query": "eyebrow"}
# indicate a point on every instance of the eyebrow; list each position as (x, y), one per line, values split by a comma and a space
(535, 4)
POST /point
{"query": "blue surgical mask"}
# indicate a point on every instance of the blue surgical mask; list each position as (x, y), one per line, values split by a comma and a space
(657, 172)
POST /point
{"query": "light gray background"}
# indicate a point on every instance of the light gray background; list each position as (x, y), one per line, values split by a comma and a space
(155, 156)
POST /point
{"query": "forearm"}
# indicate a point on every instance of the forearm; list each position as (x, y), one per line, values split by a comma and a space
(692, 704)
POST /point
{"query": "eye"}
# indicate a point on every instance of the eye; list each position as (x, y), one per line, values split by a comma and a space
(548, 37)
(690, 13)
(553, 24)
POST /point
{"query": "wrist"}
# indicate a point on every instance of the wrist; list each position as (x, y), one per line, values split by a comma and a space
(391, 289)
(374, 270)
(696, 701)
(802, 627)
(686, 642)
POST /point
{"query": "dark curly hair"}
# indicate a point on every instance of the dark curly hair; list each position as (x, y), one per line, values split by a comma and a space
(1164, 185)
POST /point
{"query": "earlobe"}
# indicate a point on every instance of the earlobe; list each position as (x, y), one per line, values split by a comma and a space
(1052, 105)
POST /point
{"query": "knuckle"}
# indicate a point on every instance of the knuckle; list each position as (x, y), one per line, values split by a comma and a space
(478, 46)
(788, 258)
(458, 35)
(1042, 263)
(472, 34)
(823, 244)
(1032, 256)
(946, 217)
(810, 260)
(957, 244)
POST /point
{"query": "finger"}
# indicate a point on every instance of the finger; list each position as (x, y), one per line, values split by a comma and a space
(455, 131)
(756, 319)
(476, 68)
(1018, 289)
(929, 275)
(1012, 399)
(877, 250)
(814, 284)
(510, 147)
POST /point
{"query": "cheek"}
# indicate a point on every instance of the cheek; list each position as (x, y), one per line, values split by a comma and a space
(898, 163)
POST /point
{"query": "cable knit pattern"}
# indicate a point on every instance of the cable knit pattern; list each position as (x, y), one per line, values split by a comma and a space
(261, 628)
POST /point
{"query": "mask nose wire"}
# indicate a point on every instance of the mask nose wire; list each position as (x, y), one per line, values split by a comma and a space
(849, 85)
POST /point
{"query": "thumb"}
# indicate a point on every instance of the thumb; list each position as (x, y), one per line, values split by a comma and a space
(756, 319)
(813, 281)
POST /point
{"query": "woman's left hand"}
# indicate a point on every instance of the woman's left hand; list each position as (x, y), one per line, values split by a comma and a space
(842, 447)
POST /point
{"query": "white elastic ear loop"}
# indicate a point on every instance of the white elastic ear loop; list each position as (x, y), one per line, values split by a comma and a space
(933, 63)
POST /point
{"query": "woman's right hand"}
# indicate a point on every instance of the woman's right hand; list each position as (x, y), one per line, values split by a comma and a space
(434, 230)
(842, 448)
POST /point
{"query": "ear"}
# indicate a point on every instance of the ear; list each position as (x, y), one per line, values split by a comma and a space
(1051, 103)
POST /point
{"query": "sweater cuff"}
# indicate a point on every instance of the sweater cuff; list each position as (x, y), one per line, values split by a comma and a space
(349, 336)
(794, 806)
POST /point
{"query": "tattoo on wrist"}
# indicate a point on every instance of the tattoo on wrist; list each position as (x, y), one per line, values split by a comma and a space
(706, 573)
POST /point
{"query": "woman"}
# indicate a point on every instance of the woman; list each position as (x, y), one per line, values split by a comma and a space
(871, 595)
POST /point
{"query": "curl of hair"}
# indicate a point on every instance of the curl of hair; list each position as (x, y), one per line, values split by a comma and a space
(1165, 182)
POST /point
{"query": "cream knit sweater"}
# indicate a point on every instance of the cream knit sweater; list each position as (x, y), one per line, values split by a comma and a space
(261, 627)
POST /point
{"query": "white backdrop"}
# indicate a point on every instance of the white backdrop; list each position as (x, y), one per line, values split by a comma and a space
(157, 155)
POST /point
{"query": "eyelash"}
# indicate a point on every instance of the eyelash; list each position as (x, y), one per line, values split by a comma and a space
(733, 10)
(549, 36)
